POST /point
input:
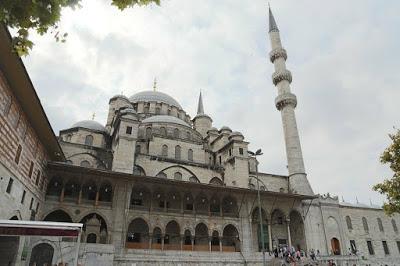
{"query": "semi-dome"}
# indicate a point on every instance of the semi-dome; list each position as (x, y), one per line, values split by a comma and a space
(154, 96)
(165, 119)
(90, 124)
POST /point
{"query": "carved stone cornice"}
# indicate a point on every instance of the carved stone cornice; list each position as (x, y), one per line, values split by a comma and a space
(281, 75)
(284, 100)
(276, 53)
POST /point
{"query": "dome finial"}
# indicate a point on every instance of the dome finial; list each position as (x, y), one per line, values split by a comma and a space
(155, 84)
(93, 115)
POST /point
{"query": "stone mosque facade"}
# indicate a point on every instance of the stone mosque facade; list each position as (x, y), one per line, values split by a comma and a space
(154, 186)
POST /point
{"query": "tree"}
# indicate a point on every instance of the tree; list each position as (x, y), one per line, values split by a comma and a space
(391, 187)
(43, 16)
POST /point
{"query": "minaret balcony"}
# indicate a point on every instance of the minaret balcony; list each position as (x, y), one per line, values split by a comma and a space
(276, 53)
(285, 99)
(278, 76)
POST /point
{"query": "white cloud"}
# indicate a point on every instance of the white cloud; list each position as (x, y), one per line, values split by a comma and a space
(341, 54)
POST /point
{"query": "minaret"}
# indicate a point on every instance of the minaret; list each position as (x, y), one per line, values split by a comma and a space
(202, 122)
(286, 102)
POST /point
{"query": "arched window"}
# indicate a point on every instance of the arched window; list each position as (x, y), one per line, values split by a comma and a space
(146, 109)
(176, 133)
(85, 163)
(105, 193)
(163, 131)
(194, 179)
(89, 140)
(380, 225)
(161, 175)
(69, 136)
(190, 155)
(178, 152)
(177, 176)
(395, 226)
(158, 110)
(348, 222)
(365, 224)
(68, 162)
(148, 132)
(91, 238)
(138, 149)
(164, 151)
(188, 136)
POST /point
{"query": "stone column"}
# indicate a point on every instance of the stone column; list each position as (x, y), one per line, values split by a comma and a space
(96, 202)
(162, 242)
(192, 239)
(269, 236)
(80, 196)
(62, 194)
(150, 240)
(209, 243)
(182, 236)
(288, 233)
(220, 244)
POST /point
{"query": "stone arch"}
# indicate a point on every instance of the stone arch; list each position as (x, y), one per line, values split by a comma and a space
(94, 224)
(71, 190)
(297, 231)
(201, 204)
(194, 179)
(201, 237)
(138, 170)
(173, 199)
(216, 181)
(255, 224)
(229, 206)
(138, 234)
(55, 186)
(172, 237)
(89, 190)
(58, 216)
(187, 239)
(333, 232)
(156, 238)
(279, 228)
(186, 173)
(231, 239)
(215, 237)
(140, 197)
(42, 254)
(106, 191)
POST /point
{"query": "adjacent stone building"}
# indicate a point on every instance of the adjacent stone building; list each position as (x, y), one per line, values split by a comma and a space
(155, 186)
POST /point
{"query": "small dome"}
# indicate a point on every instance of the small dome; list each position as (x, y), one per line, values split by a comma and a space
(90, 124)
(119, 96)
(225, 128)
(236, 135)
(165, 119)
(213, 129)
(154, 96)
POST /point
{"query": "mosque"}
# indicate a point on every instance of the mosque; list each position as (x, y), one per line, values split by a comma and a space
(155, 186)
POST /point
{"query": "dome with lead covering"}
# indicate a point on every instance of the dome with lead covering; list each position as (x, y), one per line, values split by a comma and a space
(154, 96)
(165, 119)
(90, 124)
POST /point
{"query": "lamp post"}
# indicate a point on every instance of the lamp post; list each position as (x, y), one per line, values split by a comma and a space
(255, 154)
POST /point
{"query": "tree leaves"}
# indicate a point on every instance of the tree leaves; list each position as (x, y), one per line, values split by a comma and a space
(391, 187)
(43, 16)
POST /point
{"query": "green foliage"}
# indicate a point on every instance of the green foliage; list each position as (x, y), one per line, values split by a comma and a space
(391, 187)
(43, 16)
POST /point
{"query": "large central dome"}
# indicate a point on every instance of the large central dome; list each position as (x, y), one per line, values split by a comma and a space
(154, 96)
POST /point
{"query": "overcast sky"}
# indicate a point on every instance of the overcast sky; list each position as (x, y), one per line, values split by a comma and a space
(343, 56)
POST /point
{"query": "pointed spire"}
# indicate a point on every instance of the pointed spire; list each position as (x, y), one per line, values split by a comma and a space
(200, 108)
(272, 23)
(155, 84)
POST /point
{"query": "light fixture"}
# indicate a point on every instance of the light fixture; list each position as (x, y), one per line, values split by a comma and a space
(140, 194)
(158, 195)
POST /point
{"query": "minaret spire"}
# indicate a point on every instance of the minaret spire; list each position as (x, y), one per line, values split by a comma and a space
(200, 108)
(286, 103)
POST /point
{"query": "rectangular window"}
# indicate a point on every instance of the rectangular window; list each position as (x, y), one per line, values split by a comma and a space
(128, 130)
(37, 207)
(370, 248)
(30, 170)
(31, 205)
(398, 245)
(230, 152)
(385, 247)
(9, 186)
(18, 154)
(23, 197)
(353, 246)
(189, 207)
(241, 151)
(37, 178)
